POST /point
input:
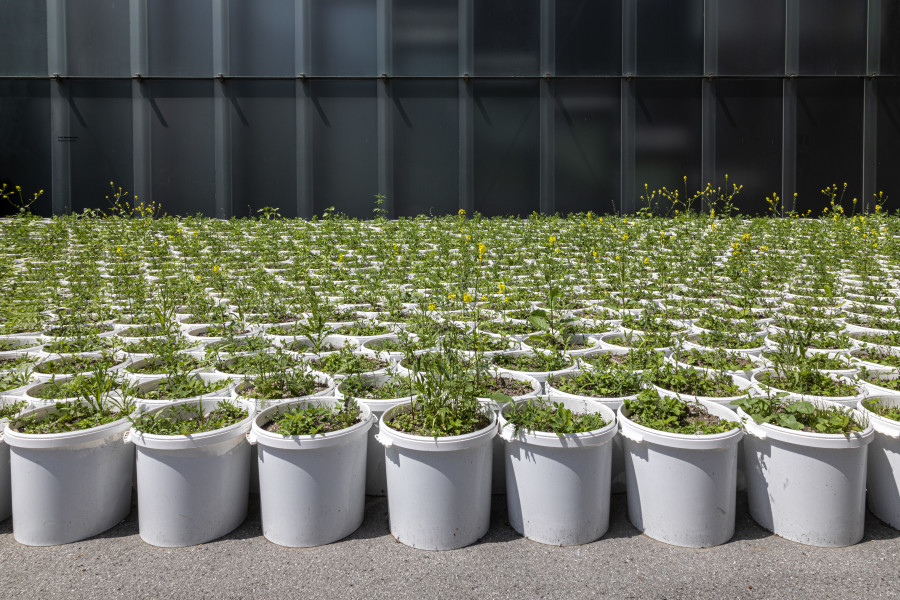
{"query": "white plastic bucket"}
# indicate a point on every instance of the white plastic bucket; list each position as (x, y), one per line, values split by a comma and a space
(192, 488)
(439, 489)
(618, 448)
(311, 487)
(883, 477)
(376, 481)
(558, 486)
(807, 487)
(498, 466)
(69, 486)
(682, 488)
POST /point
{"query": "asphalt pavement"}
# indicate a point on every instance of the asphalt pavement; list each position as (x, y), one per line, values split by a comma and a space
(371, 564)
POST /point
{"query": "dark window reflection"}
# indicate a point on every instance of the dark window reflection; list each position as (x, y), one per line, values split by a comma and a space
(263, 161)
(829, 140)
(832, 37)
(345, 132)
(588, 37)
(667, 136)
(507, 37)
(425, 35)
(507, 155)
(587, 146)
(25, 131)
(183, 141)
(748, 140)
(888, 175)
(751, 37)
(426, 147)
(670, 37)
(100, 119)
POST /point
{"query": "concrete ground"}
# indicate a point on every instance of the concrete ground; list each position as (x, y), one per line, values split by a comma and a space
(371, 564)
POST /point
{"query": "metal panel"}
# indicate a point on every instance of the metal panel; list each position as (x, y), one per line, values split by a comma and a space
(97, 38)
(506, 147)
(751, 37)
(182, 152)
(342, 37)
(180, 37)
(888, 175)
(587, 146)
(507, 37)
(263, 154)
(345, 141)
(890, 37)
(829, 144)
(425, 37)
(588, 37)
(426, 153)
(670, 37)
(261, 38)
(23, 37)
(748, 139)
(832, 37)
(25, 131)
(668, 134)
(100, 125)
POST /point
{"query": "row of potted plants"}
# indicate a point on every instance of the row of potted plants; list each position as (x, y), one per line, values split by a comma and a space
(760, 307)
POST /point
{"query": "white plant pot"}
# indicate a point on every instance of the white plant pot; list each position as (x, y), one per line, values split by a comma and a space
(682, 488)
(192, 488)
(618, 448)
(807, 487)
(883, 476)
(69, 486)
(498, 468)
(439, 489)
(376, 481)
(311, 487)
(558, 486)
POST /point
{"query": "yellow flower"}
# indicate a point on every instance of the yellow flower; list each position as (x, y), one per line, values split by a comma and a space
(505, 299)
(467, 298)
(216, 269)
(594, 254)
(432, 306)
(624, 237)
(646, 261)
(552, 239)
(501, 287)
(451, 296)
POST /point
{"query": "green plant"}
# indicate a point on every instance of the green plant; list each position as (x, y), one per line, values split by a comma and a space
(552, 417)
(188, 419)
(314, 420)
(664, 413)
(800, 415)
(878, 407)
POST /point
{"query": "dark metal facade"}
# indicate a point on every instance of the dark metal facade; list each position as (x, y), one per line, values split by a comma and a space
(500, 106)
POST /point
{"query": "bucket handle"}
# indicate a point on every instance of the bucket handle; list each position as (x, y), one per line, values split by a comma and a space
(753, 428)
(251, 438)
(632, 435)
(507, 433)
(383, 440)
(126, 437)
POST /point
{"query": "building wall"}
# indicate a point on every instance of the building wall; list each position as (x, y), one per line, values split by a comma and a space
(500, 106)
